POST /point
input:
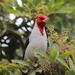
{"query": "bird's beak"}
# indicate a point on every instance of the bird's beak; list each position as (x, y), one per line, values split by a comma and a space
(45, 20)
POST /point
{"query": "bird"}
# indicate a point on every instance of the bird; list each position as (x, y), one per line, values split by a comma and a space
(37, 39)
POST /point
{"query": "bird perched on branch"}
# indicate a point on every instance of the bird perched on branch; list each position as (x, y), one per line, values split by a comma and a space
(37, 38)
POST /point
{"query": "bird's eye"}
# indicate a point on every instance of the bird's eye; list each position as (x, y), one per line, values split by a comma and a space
(41, 18)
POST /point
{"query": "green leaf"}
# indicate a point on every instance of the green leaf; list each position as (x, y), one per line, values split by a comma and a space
(41, 52)
(18, 13)
(32, 72)
(11, 67)
(64, 55)
(53, 54)
(55, 47)
(19, 8)
(73, 58)
(4, 30)
(18, 73)
(13, 11)
(50, 42)
(6, 73)
(1, 67)
(57, 5)
(40, 58)
(30, 64)
(67, 73)
(5, 70)
(70, 63)
(70, 72)
(39, 70)
(58, 70)
(25, 63)
(18, 61)
(36, 2)
(63, 62)
(1, 24)
(64, 9)
(50, 5)
(54, 51)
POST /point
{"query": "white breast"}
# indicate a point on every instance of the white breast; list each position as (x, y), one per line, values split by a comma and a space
(36, 41)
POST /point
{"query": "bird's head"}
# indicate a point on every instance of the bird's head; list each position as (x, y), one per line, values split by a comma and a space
(41, 20)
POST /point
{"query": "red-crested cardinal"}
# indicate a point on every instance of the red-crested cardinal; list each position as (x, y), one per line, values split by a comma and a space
(37, 38)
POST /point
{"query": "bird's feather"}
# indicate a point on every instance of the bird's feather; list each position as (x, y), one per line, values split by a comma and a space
(26, 44)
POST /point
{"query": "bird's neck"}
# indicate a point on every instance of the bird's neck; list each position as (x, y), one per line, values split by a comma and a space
(41, 27)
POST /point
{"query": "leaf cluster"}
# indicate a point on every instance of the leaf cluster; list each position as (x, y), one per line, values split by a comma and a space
(59, 58)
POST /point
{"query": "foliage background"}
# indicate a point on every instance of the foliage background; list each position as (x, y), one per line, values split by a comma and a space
(13, 32)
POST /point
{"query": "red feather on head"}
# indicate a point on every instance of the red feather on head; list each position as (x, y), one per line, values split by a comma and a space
(41, 22)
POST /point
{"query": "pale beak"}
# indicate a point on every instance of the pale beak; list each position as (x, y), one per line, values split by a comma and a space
(45, 20)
